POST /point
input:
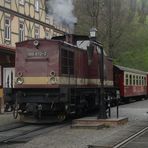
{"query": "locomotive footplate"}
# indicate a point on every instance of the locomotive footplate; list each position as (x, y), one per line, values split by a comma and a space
(32, 119)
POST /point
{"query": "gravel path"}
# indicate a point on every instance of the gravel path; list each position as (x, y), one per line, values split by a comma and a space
(7, 118)
(80, 138)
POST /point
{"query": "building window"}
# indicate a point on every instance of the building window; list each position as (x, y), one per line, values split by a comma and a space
(37, 31)
(21, 31)
(7, 28)
(8, 1)
(21, 2)
(47, 35)
(37, 5)
(47, 18)
(67, 64)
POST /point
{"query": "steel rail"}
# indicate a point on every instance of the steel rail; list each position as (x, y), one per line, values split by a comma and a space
(130, 138)
(21, 137)
(11, 127)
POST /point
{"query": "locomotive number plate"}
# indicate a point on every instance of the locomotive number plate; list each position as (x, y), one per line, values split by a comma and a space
(37, 54)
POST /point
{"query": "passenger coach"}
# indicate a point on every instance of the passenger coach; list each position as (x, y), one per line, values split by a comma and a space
(131, 82)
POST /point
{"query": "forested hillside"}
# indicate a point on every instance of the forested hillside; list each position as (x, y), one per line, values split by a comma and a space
(122, 28)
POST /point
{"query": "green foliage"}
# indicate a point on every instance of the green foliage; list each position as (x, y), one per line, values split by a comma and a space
(134, 48)
(129, 30)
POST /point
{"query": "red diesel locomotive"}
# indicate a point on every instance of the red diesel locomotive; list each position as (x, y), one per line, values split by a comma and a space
(58, 77)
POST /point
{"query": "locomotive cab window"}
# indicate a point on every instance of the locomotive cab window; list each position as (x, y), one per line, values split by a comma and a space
(67, 62)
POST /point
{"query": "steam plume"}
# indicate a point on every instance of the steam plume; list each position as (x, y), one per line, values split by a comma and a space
(62, 11)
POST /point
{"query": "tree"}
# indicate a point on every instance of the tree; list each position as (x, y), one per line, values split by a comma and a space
(111, 18)
(143, 11)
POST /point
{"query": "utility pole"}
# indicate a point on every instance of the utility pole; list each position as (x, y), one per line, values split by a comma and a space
(101, 100)
(110, 27)
(102, 105)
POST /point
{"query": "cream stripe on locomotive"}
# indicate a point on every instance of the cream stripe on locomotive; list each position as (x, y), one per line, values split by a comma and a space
(63, 81)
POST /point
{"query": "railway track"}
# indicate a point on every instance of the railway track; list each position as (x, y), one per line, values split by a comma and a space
(131, 138)
(25, 132)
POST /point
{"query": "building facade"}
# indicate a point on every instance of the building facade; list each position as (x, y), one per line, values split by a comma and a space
(26, 19)
(21, 20)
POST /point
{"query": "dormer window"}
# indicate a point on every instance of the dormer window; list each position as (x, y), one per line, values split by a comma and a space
(8, 1)
(21, 2)
(36, 31)
(7, 28)
(37, 6)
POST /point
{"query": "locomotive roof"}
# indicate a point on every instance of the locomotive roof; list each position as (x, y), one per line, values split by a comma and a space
(122, 68)
(75, 37)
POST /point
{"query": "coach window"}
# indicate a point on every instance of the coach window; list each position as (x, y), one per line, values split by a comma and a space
(130, 78)
(142, 80)
(139, 80)
(145, 81)
(126, 79)
(67, 62)
(134, 81)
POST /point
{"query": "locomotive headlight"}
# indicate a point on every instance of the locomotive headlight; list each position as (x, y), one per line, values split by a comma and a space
(19, 80)
(52, 80)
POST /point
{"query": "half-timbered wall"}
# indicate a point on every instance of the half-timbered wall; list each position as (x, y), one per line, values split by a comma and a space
(25, 12)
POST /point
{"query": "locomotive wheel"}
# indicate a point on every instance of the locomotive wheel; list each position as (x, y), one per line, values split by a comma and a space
(15, 111)
(61, 116)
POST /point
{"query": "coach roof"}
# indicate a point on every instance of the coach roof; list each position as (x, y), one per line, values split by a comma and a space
(122, 68)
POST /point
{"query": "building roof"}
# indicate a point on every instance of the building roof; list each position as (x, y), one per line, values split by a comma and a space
(7, 49)
(122, 68)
